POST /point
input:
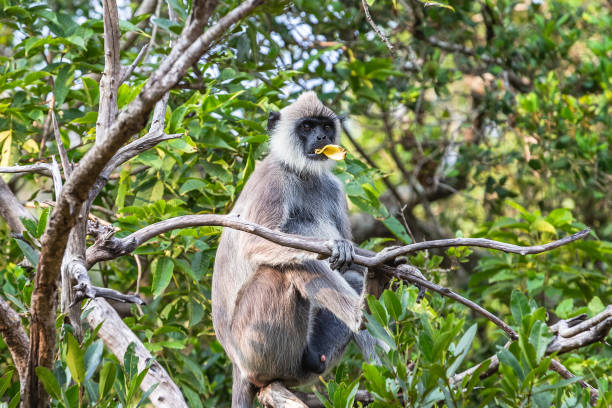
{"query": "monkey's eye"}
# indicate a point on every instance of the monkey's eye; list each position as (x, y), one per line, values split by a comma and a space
(306, 127)
(327, 128)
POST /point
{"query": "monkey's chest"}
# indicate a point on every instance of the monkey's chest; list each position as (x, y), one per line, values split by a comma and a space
(313, 221)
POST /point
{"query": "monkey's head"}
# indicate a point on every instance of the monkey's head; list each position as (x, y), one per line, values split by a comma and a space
(300, 128)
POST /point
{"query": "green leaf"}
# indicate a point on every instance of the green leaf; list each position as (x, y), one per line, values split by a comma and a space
(397, 229)
(92, 358)
(49, 382)
(519, 306)
(541, 225)
(107, 378)
(392, 304)
(30, 253)
(162, 276)
(74, 359)
(507, 358)
(463, 347)
(62, 84)
(596, 305)
(130, 361)
(193, 184)
(42, 222)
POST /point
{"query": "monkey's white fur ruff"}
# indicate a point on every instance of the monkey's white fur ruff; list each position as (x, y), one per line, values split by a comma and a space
(284, 144)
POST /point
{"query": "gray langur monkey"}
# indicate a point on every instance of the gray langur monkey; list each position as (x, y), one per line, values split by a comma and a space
(280, 313)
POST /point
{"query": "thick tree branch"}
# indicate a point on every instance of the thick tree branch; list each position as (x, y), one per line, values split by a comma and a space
(275, 395)
(15, 337)
(76, 190)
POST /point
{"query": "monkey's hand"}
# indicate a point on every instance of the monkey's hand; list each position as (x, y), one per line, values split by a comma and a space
(342, 254)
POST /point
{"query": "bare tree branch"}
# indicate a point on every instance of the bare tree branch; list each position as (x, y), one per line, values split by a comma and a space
(15, 337)
(478, 242)
(114, 247)
(40, 168)
(555, 365)
(117, 337)
(111, 77)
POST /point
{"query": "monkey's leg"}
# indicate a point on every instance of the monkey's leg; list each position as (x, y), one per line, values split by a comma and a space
(243, 391)
(327, 339)
(269, 328)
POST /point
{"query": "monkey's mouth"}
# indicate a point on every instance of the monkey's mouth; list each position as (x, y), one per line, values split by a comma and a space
(313, 156)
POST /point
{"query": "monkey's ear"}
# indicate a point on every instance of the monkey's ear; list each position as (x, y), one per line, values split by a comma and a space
(273, 118)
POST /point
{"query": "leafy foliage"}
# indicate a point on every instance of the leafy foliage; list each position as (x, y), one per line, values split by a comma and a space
(504, 134)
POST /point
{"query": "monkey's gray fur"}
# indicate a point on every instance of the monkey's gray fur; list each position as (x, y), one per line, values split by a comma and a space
(280, 312)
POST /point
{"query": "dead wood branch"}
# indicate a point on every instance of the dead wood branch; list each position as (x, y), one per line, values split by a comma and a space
(117, 337)
(85, 290)
(580, 332)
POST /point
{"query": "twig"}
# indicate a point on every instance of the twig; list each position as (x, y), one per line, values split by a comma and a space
(127, 71)
(60, 145)
(376, 29)
(403, 272)
(126, 153)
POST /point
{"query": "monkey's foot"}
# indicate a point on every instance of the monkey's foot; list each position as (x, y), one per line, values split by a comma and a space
(313, 362)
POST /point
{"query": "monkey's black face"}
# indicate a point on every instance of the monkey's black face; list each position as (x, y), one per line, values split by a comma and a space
(315, 133)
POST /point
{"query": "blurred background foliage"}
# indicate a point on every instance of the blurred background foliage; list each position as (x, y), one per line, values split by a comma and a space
(492, 119)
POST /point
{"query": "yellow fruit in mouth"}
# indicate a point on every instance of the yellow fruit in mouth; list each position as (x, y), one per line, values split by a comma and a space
(334, 152)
